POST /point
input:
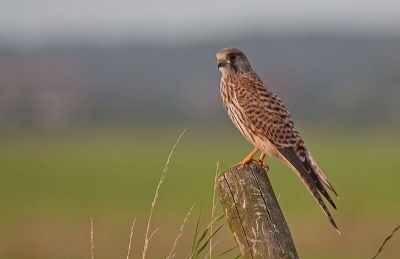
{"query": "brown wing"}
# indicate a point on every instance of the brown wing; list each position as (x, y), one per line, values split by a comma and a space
(268, 114)
(266, 111)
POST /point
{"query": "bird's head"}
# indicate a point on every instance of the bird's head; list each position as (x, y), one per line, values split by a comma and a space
(232, 60)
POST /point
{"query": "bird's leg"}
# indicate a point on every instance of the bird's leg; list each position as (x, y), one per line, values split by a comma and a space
(248, 159)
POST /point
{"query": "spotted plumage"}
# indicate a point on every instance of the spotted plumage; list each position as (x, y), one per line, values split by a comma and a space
(263, 119)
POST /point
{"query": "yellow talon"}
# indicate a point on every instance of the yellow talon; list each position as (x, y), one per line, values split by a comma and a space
(248, 159)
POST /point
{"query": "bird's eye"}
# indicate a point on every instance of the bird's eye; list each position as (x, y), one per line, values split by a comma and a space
(232, 56)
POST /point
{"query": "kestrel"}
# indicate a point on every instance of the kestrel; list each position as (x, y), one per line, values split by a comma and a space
(263, 119)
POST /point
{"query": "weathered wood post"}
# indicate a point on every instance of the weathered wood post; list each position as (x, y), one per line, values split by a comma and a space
(254, 216)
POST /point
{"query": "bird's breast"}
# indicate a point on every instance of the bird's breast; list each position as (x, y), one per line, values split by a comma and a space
(242, 123)
(236, 112)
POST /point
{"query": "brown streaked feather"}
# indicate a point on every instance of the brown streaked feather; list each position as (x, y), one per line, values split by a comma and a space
(276, 124)
(262, 117)
(306, 171)
(321, 203)
(272, 118)
(321, 175)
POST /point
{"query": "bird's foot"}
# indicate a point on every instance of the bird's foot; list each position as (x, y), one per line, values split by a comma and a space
(249, 159)
(256, 160)
(260, 162)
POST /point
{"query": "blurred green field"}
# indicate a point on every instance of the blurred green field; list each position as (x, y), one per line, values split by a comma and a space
(52, 182)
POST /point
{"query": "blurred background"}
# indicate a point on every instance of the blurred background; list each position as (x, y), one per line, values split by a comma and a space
(94, 94)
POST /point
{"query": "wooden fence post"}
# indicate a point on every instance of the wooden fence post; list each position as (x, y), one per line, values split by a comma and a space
(255, 219)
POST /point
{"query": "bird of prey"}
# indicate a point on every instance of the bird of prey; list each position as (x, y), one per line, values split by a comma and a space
(263, 119)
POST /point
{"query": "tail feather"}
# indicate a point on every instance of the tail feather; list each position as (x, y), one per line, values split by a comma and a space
(318, 198)
(321, 175)
(305, 167)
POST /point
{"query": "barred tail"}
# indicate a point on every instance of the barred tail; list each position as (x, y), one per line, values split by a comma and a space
(318, 198)
(305, 167)
(321, 175)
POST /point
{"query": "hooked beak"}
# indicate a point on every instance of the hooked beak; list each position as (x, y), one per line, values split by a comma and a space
(220, 63)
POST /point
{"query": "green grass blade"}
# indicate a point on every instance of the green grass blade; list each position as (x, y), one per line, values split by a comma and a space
(208, 239)
(227, 251)
(201, 238)
(196, 232)
(215, 220)
(206, 231)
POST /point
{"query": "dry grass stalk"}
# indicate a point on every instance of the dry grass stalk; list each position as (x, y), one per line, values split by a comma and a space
(172, 254)
(214, 205)
(163, 175)
(91, 236)
(386, 239)
(130, 239)
(208, 255)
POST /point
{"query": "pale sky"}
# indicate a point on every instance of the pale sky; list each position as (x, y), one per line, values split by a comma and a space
(41, 21)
